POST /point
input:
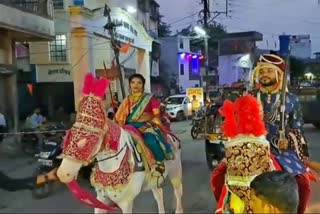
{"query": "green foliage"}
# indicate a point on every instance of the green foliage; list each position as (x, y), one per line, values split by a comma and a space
(215, 31)
(297, 67)
(164, 29)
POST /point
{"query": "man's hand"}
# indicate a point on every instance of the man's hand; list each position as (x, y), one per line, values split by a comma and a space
(283, 144)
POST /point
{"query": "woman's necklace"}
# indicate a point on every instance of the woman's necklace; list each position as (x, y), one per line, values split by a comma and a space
(135, 97)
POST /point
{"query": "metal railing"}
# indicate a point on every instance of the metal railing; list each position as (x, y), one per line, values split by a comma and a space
(38, 7)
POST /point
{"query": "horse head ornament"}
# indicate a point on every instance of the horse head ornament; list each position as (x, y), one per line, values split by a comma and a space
(85, 138)
(247, 150)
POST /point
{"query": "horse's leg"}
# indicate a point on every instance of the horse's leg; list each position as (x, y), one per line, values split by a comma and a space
(175, 175)
(132, 190)
(126, 206)
(158, 195)
(103, 197)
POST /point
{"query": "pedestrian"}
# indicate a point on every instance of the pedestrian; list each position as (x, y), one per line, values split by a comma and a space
(36, 119)
(274, 192)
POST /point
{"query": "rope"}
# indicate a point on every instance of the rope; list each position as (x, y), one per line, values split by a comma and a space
(33, 132)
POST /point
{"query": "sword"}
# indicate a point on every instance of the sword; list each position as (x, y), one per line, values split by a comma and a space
(283, 98)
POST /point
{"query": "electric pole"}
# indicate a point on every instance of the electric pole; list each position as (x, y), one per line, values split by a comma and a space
(110, 26)
(206, 15)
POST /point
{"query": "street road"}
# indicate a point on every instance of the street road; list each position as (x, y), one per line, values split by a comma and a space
(197, 194)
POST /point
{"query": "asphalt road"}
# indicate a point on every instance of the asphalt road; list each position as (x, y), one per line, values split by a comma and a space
(197, 194)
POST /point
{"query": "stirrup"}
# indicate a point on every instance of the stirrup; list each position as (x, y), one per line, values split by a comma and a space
(158, 170)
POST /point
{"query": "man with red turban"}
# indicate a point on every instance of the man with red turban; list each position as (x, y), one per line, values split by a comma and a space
(267, 80)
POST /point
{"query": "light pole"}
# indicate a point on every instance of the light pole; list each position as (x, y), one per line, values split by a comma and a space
(201, 32)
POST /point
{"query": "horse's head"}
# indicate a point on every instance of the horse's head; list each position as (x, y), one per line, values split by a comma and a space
(247, 151)
(83, 141)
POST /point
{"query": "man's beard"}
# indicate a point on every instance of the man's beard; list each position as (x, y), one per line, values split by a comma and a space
(268, 83)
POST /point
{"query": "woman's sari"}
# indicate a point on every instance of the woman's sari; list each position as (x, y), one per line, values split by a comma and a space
(144, 116)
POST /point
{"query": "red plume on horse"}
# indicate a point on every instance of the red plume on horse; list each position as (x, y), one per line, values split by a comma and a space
(96, 87)
(244, 117)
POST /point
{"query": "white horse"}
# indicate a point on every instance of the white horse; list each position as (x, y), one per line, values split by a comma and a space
(118, 176)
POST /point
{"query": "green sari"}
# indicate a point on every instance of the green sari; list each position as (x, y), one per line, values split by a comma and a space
(153, 136)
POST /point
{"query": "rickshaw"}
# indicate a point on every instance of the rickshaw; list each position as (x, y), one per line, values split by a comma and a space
(214, 139)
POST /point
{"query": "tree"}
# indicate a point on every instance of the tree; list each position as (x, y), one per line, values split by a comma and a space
(187, 31)
(164, 29)
(215, 31)
(297, 67)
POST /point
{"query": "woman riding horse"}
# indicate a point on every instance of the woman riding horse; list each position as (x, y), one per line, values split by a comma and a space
(141, 110)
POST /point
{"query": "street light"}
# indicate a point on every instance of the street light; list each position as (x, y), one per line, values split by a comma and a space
(201, 32)
(131, 9)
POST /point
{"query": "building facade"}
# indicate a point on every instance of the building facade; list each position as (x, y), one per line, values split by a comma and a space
(82, 44)
(20, 22)
(237, 56)
(300, 45)
(180, 67)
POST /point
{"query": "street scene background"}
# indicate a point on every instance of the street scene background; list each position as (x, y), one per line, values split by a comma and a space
(197, 196)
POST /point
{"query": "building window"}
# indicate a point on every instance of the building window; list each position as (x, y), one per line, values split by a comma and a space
(58, 4)
(181, 43)
(194, 70)
(154, 11)
(144, 5)
(58, 49)
(181, 69)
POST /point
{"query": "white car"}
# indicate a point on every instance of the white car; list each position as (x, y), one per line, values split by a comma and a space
(178, 107)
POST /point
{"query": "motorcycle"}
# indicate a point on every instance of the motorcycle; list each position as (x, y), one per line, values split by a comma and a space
(199, 119)
(198, 124)
(48, 159)
(30, 139)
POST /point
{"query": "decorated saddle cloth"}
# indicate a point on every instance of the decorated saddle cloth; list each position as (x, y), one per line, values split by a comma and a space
(291, 158)
(147, 157)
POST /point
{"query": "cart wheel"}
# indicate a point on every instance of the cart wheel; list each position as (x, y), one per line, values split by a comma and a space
(42, 191)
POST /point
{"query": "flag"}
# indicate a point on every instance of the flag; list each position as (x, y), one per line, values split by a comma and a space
(125, 48)
(30, 88)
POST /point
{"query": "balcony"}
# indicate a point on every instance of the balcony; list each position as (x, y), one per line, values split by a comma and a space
(39, 7)
(27, 20)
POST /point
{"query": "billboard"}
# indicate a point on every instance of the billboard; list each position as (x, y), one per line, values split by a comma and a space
(195, 96)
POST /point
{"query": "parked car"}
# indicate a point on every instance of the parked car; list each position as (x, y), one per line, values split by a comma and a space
(178, 107)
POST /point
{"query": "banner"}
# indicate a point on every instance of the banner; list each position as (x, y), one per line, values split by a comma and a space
(195, 96)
